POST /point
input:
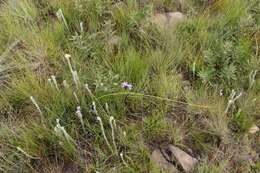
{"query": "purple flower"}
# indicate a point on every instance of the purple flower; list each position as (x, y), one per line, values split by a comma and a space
(126, 85)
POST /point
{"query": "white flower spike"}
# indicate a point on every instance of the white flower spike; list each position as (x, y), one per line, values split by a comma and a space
(55, 82)
(80, 116)
(36, 105)
(232, 99)
(67, 56)
(123, 160)
(112, 123)
(60, 131)
(88, 90)
(94, 108)
(103, 133)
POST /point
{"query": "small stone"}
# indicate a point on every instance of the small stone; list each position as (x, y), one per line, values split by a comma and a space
(253, 129)
(166, 20)
(159, 19)
(158, 158)
(175, 18)
(185, 160)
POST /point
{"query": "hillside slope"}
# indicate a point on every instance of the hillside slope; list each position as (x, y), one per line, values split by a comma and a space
(129, 86)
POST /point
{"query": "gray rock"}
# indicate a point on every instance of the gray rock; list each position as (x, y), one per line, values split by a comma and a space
(254, 129)
(158, 158)
(167, 20)
(183, 159)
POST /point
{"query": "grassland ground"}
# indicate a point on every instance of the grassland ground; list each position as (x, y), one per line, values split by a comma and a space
(99, 85)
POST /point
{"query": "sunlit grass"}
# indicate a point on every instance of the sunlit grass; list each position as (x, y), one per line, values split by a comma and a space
(94, 86)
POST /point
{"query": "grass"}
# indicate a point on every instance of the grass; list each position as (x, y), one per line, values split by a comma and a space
(183, 80)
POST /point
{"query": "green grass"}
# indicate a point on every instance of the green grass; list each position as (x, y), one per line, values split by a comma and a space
(182, 81)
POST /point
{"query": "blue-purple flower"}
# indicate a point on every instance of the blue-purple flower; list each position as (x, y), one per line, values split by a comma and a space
(126, 85)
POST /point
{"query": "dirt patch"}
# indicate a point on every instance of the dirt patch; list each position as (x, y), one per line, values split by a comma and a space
(158, 142)
(47, 166)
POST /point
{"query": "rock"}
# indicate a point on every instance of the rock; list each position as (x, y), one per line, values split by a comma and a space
(175, 18)
(182, 158)
(158, 158)
(114, 40)
(169, 156)
(166, 20)
(159, 19)
(253, 129)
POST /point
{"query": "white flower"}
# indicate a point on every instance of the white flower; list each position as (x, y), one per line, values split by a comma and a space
(103, 132)
(60, 131)
(61, 17)
(122, 158)
(81, 27)
(221, 93)
(36, 105)
(87, 88)
(113, 126)
(76, 97)
(65, 84)
(55, 81)
(94, 108)
(76, 78)
(232, 98)
(80, 116)
(67, 56)
(59, 14)
(78, 112)
(126, 85)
